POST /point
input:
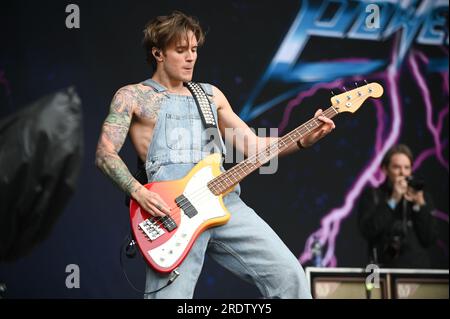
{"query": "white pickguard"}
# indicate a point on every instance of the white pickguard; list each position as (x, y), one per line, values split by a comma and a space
(207, 205)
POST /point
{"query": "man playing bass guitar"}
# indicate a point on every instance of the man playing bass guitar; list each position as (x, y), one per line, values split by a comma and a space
(150, 112)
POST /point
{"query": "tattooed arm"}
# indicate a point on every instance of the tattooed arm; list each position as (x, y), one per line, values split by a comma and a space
(246, 141)
(114, 132)
(113, 135)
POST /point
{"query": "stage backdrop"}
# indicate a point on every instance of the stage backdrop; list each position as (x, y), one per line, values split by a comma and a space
(277, 62)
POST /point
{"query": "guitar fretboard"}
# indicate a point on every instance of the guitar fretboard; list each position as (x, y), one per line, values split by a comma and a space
(234, 175)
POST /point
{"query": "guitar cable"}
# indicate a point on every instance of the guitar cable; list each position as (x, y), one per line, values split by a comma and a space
(129, 246)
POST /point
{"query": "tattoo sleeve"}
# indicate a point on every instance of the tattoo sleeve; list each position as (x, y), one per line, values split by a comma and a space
(113, 135)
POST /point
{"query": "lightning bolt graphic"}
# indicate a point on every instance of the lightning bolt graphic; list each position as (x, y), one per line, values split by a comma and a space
(330, 223)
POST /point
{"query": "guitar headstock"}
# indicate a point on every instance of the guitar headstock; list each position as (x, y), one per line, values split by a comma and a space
(351, 101)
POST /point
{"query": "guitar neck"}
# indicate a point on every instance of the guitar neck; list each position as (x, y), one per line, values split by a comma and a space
(234, 175)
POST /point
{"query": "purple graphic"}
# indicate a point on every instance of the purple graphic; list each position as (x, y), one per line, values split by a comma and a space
(429, 109)
(4, 82)
(440, 215)
(297, 100)
(330, 223)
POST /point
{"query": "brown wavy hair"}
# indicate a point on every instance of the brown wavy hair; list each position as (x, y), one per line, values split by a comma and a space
(397, 149)
(162, 30)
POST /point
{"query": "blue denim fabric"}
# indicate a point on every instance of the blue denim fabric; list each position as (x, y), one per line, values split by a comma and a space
(246, 245)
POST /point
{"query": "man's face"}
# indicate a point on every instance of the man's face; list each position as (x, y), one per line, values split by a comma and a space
(399, 165)
(180, 57)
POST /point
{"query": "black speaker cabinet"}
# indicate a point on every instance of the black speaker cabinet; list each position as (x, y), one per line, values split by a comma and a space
(359, 283)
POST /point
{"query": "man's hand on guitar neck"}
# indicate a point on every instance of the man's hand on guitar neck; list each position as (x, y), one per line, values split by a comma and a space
(323, 130)
(151, 202)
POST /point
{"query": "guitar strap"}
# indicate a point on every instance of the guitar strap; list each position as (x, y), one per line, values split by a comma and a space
(203, 104)
(204, 109)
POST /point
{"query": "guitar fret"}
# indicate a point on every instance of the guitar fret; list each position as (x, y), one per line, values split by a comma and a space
(240, 167)
(247, 167)
(232, 174)
(151, 228)
(229, 178)
(293, 140)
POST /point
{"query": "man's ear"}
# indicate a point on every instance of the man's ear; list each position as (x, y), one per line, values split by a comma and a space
(157, 54)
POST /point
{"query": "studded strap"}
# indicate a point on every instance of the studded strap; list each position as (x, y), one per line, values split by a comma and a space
(204, 107)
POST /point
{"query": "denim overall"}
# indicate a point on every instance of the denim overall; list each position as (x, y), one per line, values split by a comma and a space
(245, 245)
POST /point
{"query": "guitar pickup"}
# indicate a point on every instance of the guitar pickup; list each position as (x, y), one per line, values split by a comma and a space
(168, 223)
(186, 206)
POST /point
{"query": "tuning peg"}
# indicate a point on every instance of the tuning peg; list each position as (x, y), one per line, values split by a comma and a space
(356, 85)
(344, 88)
(365, 81)
(332, 93)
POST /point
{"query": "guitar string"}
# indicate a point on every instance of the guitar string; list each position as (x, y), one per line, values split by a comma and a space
(199, 193)
(269, 149)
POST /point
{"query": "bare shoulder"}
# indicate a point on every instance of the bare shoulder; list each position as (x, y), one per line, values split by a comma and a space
(126, 93)
(123, 99)
(142, 100)
(132, 92)
(216, 91)
(127, 89)
(219, 99)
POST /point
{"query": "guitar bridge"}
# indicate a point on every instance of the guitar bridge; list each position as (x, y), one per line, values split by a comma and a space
(151, 228)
